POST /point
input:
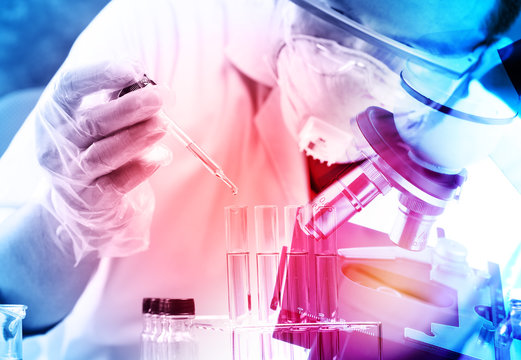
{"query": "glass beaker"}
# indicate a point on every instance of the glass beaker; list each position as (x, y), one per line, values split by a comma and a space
(11, 317)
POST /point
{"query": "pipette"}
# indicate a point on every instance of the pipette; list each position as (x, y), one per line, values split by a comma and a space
(184, 138)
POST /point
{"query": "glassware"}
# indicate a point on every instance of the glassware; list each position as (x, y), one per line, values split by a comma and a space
(11, 317)
(308, 341)
(218, 337)
(295, 303)
(267, 237)
(155, 319)
(174, 128)
(238, 263)
(326, 270)
(167, 326)
(146, 334)
(509, 329)
(180, 342)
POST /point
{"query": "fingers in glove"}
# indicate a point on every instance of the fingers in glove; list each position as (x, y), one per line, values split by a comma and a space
(106, 191)
(72, 85)
(110, 153)
(127, 177)
(108, 118)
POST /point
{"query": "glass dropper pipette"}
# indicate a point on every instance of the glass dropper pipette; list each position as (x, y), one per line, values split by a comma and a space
(199, 153)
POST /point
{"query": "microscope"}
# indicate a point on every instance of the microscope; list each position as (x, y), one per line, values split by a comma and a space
(450, 113)
(427, 299)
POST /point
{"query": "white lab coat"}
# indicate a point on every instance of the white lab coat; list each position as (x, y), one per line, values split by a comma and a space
(182, 44)
(192, 47)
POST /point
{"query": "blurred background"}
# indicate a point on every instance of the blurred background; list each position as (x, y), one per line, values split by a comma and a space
(35, 38)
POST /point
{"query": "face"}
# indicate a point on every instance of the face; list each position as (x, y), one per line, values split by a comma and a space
(439, 26)
(325, 80)
(308, 94)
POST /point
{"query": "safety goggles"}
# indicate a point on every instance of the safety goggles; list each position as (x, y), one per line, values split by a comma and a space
(438, 82)
(454, 66)
(329, 59)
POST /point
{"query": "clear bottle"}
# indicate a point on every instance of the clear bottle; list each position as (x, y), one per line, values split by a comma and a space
(509, 329)
(11, 317)
(155, 329)
(164, 329)
(181, 344)
(146, 334)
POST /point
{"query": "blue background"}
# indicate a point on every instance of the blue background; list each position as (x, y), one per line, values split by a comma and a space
(35, 37)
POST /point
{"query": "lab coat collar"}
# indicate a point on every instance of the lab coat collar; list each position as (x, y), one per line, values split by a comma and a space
(251, 40)
(288, 161)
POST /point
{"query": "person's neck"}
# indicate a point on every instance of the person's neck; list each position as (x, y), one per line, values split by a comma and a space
(322, 175)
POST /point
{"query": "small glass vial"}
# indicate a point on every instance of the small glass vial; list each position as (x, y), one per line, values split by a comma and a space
(160, 343)
(149, 334)
(11, 317)
(509, 329)
(238, 263)
(179, 340)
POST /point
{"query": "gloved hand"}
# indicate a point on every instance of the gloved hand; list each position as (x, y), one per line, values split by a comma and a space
(98, 152)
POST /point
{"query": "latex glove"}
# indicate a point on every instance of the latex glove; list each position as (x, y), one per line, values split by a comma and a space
(97, 151)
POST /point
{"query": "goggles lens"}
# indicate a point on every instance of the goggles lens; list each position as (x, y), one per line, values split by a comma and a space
(454, 66)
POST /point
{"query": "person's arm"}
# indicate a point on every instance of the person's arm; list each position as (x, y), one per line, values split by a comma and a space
(49, 250)
(95, 157)
(35, 272)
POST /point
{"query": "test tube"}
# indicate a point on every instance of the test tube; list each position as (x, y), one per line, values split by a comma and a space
(295, 306)
(326, 268)
(238, 263)
(327, 344)
(267, 238)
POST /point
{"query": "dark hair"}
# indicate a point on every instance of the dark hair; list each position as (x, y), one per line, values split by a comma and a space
(501, 18)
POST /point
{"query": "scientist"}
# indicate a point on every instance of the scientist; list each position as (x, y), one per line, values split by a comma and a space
(239, 90)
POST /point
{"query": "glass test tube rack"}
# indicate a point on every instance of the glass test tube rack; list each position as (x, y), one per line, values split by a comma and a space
(310, 341)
